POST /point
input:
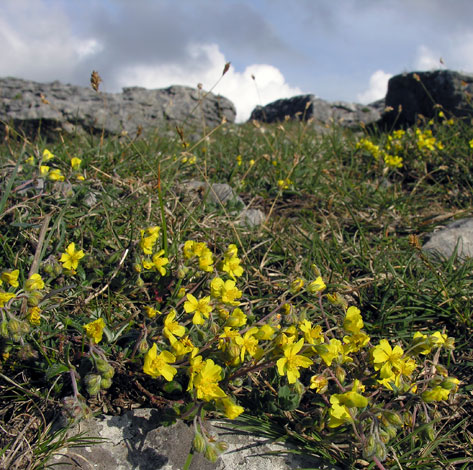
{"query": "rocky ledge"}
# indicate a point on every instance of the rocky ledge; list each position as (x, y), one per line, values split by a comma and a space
(46, 108)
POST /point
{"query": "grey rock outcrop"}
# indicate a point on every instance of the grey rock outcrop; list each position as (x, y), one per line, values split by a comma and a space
(45, 108)
(136, 441)
(222, 195)
(453, 91)
(304, 107)
(456, 235)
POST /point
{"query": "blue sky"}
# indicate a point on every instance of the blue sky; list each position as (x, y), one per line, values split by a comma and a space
(335, 49)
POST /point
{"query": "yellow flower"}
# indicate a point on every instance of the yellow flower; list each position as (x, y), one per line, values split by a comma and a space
(341, 404)
(312, 335)
(297, 285)
(94, 330)
(206, 262)
(151, 312)
(232, 267)
(442, 340)
(35, 282)
(75, 163)
(44, 170)
(230, 292)
(216, 285)
(196, 365)
(355, 342)
(265, 333)
(172, 327)
(206, 382)
(353, 322)
(34, 315)
(393, 161)
(70, 259)
(5, 297)
(248, 343)
(183, 346)
(421, 344)
(56, 175)
(148, 239)
(237, 318)
(329, 352)
(285, 183)
(159, 262)
(385, 358)
(290, 363)
(338, 413)
(319, 383)
(158, 365)
(47, 155)
(231, 251)
(435, 394)
(11, 277)
(232, 410)
(200, 307)
(316, 286)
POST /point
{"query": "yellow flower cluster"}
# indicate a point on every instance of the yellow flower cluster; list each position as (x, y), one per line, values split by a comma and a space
(153, 260)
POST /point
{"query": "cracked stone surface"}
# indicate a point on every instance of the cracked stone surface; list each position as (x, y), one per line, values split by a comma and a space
(135, 441)
(444, 241)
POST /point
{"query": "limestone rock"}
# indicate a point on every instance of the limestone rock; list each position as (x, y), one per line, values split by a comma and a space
(136, 441)
(452, 90)
(33, 107)
(222, 194)
(304, 107)
(443, 242)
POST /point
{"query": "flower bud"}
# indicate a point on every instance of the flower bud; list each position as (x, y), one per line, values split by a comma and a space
(381, 451)
(34, 298)
(14, 326)
(237, 382)
(4, 329)
(48, 268)
(393, 418)
(140, 282)
(104, 368)
(428, 432)
(296, 285)
(450, 383)
(26, 352)
(370, 447)
(210, 454)
(58, 269)
(199, 442)
(233, 350)
(143, 347)
(214, 328)
(299, 388)
(182, 272)
(315, 270)
(340, 374)
(137, 267)
(221, 446)
(105, 383)
(92, 383)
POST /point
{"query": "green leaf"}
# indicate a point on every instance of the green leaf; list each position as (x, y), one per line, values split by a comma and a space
(56, 369)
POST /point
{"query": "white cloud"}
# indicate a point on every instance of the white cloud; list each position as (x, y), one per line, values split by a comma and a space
(377, 88)
(204, 65)
(426, 59)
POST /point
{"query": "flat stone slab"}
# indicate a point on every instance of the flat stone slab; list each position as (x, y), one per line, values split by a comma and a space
(444, 241)
(135, 441)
